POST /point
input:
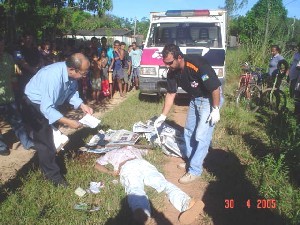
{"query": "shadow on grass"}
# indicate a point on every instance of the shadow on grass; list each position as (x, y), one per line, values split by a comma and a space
(151, 97)
(283, 132)
(125, 215)
(258, 148)
(232, 187)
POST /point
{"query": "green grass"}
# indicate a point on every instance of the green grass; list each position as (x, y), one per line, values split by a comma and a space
(38, 202)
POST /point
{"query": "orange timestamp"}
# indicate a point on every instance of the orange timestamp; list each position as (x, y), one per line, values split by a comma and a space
(258, 203)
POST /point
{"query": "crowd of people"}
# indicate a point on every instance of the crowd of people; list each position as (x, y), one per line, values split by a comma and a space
(113, 67)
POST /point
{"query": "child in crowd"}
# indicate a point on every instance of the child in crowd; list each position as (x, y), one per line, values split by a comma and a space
(96, 79)
(104, 72)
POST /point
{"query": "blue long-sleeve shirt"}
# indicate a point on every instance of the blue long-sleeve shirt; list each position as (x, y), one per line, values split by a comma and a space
(51, 87)
(273, 63)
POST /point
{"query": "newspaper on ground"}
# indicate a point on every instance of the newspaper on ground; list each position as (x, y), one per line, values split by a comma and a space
(98, 150)
(121, 137)
(110, 140)
(90, 121)
(170, 139)
(97, 139)
(141, 127)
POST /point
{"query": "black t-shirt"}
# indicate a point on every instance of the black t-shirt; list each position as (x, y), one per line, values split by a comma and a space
(197, 79)
(125, 61)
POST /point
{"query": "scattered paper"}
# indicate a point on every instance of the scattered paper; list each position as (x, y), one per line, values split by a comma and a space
(94, 140)
(170, 139)
(115, 181)
(60, 140)
(81, 206)
(95, 187)
(85, 207)
(121, 137)
(90, 121)
(141, 127)
(98, 150)
(80, 192)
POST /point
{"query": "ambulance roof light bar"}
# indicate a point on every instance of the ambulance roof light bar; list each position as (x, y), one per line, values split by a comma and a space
(174, 13)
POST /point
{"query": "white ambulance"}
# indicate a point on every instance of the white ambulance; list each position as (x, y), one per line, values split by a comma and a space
(200, 32)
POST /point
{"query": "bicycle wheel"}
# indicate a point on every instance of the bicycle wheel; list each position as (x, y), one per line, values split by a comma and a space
(249, 98)
(274, 99)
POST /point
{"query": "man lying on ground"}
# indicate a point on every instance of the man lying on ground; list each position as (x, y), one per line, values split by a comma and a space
(135, 172)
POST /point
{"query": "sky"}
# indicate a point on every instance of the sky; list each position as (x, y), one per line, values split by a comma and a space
(142, 8)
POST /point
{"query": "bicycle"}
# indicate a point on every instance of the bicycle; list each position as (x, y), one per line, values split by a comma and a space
(273, 97)
(249, 93)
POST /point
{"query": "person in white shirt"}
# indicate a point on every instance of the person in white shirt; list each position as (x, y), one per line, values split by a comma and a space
(135, 172)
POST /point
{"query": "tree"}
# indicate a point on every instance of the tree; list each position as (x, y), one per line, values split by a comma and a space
(143, 26)
(43, 17)
(232, 5)
(265, 23)
(96, 6)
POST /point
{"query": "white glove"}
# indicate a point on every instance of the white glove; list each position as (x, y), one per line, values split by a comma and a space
(214, 116)
(158, 122)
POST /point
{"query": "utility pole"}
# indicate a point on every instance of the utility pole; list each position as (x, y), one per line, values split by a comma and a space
(267, 24)
(134, 30)
(293, 27)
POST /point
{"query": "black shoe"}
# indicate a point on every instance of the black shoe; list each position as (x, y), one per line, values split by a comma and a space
(5, 152)
(60, 183)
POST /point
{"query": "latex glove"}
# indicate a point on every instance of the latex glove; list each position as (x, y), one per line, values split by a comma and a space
(158, 122)
(214, 116)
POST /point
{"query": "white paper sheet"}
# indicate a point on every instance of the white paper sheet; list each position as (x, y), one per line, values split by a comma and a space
(90, 121)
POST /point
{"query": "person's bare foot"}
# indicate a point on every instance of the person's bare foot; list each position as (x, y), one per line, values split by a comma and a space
(192, 213)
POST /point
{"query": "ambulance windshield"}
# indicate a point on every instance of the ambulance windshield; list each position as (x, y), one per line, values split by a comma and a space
(185, 34)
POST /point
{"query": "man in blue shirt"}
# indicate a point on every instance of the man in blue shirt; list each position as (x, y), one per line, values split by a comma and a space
(51, 87)
(276, 57)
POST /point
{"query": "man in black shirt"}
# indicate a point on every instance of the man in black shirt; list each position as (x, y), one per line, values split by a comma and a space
(194, 74)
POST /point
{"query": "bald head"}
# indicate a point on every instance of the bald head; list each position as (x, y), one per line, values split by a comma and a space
(78, 64)
(76, 61)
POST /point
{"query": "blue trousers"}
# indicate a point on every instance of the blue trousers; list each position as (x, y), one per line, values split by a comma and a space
(12, 116)
(198, 133)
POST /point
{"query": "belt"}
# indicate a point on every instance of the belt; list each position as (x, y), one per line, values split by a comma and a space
(127, 160)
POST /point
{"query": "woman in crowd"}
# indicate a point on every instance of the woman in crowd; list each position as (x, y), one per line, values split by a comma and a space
(96, 79)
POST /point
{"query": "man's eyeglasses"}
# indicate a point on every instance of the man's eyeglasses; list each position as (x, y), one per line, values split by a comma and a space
(82, 73)
(169, 63)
